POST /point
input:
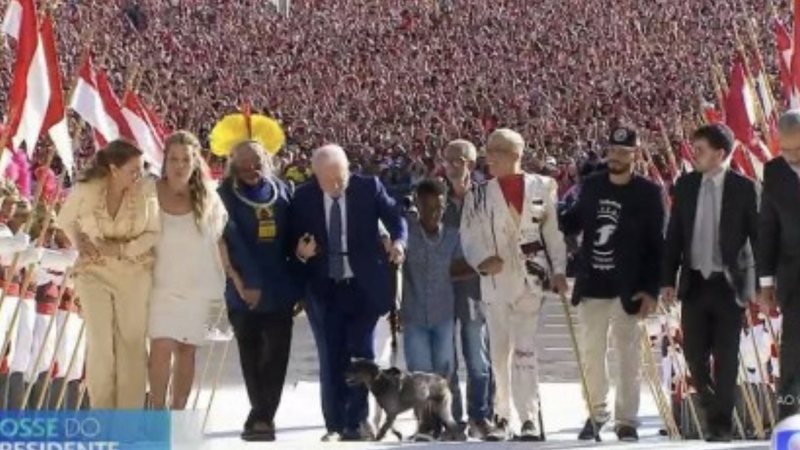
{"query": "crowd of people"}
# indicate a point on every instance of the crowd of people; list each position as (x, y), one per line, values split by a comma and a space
(389, 79)
(410, 91)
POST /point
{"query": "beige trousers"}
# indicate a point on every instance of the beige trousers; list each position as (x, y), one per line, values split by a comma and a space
(599, 319)
(513, 349)
(115, 306)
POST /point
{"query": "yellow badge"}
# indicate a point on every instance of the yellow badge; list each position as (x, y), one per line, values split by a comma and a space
(267, 228)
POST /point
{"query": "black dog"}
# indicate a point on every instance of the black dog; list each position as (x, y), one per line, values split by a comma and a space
(397, 391)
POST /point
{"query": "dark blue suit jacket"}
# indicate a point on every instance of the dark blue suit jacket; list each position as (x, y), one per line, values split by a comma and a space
(366, 202)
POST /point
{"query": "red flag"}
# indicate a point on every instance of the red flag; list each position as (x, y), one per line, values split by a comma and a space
(113, 107)
(741, 163)
(783, 44)
(29, 94)
(795, 59)
(55, 121)
(142, 129)
(96, 103)
(739, 111)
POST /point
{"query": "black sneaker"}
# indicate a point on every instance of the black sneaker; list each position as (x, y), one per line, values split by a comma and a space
(588, 432)
(500, 431)
(627, 433)
(528, 433)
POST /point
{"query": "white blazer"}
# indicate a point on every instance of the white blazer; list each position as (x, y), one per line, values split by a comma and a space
(489, 227)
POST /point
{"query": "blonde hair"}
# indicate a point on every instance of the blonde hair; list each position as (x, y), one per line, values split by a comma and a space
(506, 140)
(199, 180)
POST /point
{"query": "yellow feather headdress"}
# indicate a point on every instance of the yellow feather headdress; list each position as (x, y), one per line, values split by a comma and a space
(236, 128)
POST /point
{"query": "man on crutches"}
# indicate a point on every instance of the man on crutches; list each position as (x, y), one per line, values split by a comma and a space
(621, 216)
(510, 236)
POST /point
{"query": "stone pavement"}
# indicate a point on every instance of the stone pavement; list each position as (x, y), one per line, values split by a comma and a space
(300, 423)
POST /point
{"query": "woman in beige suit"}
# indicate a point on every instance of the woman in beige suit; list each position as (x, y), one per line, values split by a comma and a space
(112, 215)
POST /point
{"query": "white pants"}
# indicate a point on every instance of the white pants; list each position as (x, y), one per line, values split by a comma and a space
(598, 319)
(513, 348)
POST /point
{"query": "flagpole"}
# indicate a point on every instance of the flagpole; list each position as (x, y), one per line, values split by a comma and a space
(760, 117)
(28, 277)
(751, 33)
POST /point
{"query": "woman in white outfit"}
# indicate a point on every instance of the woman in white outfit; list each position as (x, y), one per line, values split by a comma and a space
(188, 274)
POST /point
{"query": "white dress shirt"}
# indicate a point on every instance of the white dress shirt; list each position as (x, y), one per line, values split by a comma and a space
(348, 272)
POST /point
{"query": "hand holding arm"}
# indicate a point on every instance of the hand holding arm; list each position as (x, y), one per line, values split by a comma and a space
(148, 239)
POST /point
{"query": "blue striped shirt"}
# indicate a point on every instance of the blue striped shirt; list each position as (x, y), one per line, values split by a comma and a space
(428, 297)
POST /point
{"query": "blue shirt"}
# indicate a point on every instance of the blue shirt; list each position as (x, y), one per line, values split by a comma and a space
(428, 297)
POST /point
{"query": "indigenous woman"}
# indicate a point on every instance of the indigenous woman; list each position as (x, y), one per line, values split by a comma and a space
(188, 273)
(112, 216)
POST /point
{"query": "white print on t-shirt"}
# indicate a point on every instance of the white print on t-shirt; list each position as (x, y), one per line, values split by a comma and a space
(603, 244)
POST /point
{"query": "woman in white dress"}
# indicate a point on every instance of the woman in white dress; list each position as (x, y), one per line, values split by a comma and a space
(188, 274)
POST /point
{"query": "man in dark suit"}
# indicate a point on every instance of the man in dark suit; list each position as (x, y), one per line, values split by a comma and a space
(717, 270)
(335, 224)
(779, 254)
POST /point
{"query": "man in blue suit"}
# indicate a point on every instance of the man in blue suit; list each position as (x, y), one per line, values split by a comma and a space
(334, 220)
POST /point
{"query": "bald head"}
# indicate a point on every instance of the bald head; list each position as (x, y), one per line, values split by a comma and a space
(789, 136)
(459, 158)
(332, 169)
(461, 148)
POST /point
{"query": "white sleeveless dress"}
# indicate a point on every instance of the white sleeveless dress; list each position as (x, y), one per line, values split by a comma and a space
(188, 276)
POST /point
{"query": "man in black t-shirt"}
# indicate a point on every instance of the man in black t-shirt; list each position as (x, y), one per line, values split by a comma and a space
(621, 216)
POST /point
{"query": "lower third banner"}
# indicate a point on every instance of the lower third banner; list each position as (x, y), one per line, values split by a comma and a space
(85, 430)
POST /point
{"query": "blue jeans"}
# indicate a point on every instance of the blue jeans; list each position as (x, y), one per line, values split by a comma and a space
(480, 388)
(429, 348)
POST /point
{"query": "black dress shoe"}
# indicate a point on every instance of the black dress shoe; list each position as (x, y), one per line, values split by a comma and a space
(719, 436)
(259, 432)
(590, 430)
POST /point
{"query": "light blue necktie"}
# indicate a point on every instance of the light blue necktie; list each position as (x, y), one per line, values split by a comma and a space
(335, 255)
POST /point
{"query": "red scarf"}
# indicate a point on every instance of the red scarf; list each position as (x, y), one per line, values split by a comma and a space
(513, 187)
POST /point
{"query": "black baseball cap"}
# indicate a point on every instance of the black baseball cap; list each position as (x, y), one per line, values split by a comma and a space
(623, 137)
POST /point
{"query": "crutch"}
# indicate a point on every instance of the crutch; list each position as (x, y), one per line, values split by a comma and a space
(50, 325)
(206, 363)
(81, 396)
(649, 372)
(216, 380)
(764, 380)
(683, 374)
(581, 368)
(394, 323)
(738, 423)
(72, 359)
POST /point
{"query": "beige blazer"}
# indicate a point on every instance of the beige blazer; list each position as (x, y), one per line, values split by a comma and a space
(137, 224)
